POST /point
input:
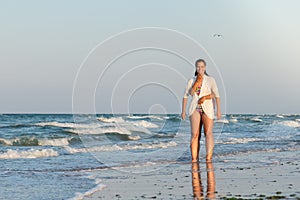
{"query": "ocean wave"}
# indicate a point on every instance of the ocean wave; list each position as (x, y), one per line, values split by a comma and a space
(147, 117)
(16, 126)
(116, 147)
(158, 117)
(136, 137)
(55, 142)
(32, 153)
(99, 186)
(32, 141)
(224, 121)
(62, 124)
(5, 141)
(234, 120)
(121, 128)
(120, 121)
(96, 131)
(279, 116)
(290, 123)
(137, 117)
(145, 124)
(111, 120)
(174, 118)
(110, 126)
(256, 119)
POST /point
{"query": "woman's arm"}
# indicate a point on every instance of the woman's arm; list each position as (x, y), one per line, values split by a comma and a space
(206, 97)
(183, 113)
(217, 97)
(218, 101)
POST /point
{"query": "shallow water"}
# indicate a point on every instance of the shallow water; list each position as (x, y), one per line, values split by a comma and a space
(47, 156)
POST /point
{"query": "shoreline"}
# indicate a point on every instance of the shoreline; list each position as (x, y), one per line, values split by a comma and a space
(267, 175)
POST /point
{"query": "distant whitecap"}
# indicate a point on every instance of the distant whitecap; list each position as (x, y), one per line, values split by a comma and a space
(256, 119)
(224, 121)
(290, 123)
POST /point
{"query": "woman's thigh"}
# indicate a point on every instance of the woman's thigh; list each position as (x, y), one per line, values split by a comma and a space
(208, 124)
(195, 119)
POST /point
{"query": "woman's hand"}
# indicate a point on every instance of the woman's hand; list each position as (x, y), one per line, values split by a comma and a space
(201, 100)
(219, 115)
(183, 115)
(209, 96)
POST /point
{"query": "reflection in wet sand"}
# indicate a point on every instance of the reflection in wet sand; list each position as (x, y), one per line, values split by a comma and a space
(197, 183)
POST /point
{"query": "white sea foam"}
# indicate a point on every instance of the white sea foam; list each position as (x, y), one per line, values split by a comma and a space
(134, 137)
(148, 116)
(239, 140)
(137, 117)
(41, 141)
(136, 165)
(54, 142)
(298, 120)
(145, 124)
(224, 121)
(111, 120)
(95, 131)
(120, 148)
(290, 123)
(66, 125)
(98, 187)
(92, 149)
(6, 141)
(121, 121)
(234, 120)
(158, 117)
(280, 116)
(256, 119)
(32, 153)
(110, 126)
(123, 128)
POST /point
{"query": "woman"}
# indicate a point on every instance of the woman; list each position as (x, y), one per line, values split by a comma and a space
(203, 89)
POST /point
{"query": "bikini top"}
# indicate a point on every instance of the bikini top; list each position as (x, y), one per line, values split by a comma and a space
(198, 89)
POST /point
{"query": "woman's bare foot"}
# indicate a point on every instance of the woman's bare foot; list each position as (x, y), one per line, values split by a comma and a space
(208, 159)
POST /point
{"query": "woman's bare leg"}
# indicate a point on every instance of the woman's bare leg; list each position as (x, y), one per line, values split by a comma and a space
(195, 129)
(199, 138)
(209, 138)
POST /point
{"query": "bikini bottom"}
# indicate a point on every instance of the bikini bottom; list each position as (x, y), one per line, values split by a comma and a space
(200, 109)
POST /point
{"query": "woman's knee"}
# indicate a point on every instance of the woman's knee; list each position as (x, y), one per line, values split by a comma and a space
(208, 133)
(195, 137)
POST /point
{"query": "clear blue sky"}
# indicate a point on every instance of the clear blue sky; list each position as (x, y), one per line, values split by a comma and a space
(43, 43)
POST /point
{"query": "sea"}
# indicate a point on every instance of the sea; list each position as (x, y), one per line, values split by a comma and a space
(51, 156)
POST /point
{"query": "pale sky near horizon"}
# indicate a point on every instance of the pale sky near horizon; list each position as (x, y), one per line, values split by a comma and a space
(43, 44)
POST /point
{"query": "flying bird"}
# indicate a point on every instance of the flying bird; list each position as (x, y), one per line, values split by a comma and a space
(217, 35)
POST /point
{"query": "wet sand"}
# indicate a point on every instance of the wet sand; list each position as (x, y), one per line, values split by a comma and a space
(247, 176)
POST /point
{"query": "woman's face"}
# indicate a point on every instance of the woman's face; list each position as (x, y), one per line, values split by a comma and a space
(200, 68)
